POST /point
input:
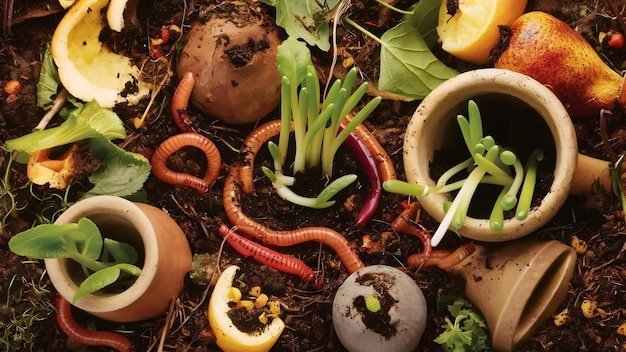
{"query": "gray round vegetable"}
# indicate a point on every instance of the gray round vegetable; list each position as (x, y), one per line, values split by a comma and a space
(234, 64)
(379, 308)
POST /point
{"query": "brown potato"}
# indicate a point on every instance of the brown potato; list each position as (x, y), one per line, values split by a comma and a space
(548, 50)
(235, 68)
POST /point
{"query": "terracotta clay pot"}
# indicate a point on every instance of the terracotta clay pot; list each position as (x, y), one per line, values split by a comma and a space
(162, 247)
(434, 121)
(517, 285)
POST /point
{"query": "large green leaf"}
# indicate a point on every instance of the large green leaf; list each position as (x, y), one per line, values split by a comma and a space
(120, 251)
(408, 67)
(59, 241)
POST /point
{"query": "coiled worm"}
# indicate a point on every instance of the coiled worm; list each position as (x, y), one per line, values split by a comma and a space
(180, 102)
(87, 337)
(176, 142)
(276, 260)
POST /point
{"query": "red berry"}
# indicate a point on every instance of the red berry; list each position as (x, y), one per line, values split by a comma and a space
(616, 40)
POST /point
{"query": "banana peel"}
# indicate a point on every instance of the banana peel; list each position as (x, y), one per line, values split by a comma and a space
(87, 68)
(229, 337)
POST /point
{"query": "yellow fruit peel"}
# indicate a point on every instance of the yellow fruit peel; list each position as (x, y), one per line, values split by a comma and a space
(87, 68)
(228, 336)
(473, 31)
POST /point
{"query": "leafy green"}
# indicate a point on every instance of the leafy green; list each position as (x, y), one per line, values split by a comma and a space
(465, 328)
(83, 243)
(49, 80)
(425, 18)
(407, 66)
(123, 173)
(88, 121)
(303, 19)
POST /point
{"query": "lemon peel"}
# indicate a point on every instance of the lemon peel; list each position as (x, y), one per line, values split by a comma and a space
(66, 3)
(87, 68)
(473, 31)
(229, 337)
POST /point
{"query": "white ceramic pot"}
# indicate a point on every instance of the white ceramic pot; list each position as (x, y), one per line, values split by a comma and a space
(430, 126)
(160, 242)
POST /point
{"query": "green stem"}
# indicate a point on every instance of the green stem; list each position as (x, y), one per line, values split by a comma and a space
(528, 188)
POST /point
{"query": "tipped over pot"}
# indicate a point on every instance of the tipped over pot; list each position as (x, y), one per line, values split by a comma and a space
(164, 254)
(511, 101)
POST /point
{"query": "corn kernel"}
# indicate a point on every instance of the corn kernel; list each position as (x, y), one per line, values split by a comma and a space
(255, 291)
(561, 318)
(589, 308)
(263, 318)
(261, 301)
(244, 303)
(274, 307)
(234, 294)
(580, 246)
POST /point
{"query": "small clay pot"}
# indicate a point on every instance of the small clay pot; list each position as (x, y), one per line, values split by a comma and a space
(517, 285)
(161, 245)
(434, 122)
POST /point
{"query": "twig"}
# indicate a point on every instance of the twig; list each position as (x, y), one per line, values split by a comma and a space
(57, 104)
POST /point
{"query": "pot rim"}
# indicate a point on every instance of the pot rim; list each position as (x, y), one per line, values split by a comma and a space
(419, 144)
(132, 215)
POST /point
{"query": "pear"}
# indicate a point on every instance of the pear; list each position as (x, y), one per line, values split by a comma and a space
(550, 51)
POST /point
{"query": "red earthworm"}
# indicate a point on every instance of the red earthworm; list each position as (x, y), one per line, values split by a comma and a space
(464, 251)
(174, 143)
(367, 161)
(180, 101)
(87, 337)
(279, 261)
(251, 146)
(385, 165)
(418, 260)
(232, 206)
(404, 224)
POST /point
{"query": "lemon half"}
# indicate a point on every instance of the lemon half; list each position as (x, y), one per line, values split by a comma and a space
(229, 337)
(472, 31)
(88, 69)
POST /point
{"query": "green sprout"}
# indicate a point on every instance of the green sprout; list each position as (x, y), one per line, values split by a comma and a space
(489, 163)
(317, 125)
(83, 243)
(372, 303)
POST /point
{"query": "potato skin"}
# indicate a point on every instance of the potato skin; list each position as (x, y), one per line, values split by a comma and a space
(235, 68)
(548, 50)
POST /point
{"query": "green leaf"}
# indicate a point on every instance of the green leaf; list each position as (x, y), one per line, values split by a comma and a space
(425, 19)
(58, 241)
(407, 66)
(303, 19)
(88, 121)
(293, 58)
(48, 83)
(123, 173)
(103, 278)
(120, 251)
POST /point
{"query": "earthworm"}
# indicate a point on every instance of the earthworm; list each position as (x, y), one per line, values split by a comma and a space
(88, 337)
(367, 161)
(383, 161)
(234, 212)
(418, 260)
(174, 143)
(404, 224)
(180, 101)
(464, 251)
(251, 146)
(276, 260)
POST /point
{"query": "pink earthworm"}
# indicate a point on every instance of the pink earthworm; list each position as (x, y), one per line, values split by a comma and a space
(459, 255)
(178, 141)
(180, 102)
(87, 337)
(234, 212)
(276, 260)
(384, 162)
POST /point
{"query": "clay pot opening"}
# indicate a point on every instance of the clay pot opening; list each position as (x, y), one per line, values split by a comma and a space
(514, 124)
